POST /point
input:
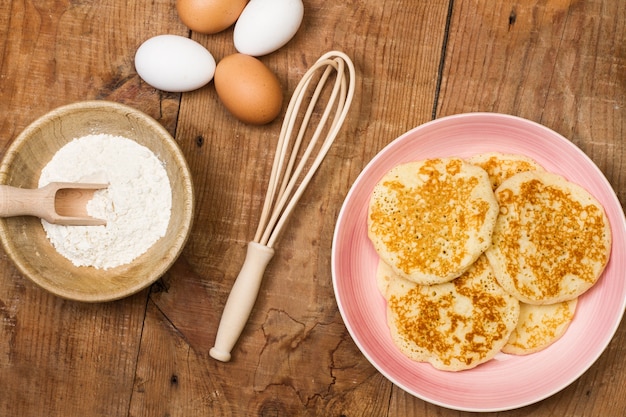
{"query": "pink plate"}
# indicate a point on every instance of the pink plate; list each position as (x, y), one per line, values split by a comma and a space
(506, 382)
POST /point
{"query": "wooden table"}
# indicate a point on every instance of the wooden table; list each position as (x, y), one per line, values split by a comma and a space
(561, 63)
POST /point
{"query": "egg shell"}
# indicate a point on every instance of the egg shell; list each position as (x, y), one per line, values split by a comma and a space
(266, 25)
(174, 63)
(248, 89)
(209, 16)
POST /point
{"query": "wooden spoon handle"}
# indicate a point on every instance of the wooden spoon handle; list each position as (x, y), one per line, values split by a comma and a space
(15, 201)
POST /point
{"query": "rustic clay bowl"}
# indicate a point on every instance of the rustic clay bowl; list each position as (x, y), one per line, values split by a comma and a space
(24, 239)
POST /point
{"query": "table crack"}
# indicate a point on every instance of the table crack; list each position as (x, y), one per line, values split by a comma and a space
(442, 60)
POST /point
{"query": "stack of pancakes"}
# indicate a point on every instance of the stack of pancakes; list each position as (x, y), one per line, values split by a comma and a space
(483, 255)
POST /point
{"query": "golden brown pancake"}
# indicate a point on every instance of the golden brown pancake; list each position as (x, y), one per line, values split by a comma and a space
(456, 325)
(384, 275)
(501, 166)
(539, 326)
(430, 220)
(552, 239)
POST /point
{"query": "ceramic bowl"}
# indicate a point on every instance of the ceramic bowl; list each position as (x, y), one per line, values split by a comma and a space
(24, 239)
(488, 387)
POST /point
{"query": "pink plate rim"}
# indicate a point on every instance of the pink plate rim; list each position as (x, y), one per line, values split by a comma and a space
(507, 382)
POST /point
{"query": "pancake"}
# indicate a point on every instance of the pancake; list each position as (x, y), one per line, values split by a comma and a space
(430, 220)
(456, 325)
(539, 326)
(501, 166)
(384, 275)
(552, 239)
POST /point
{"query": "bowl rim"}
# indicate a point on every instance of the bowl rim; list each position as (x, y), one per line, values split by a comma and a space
(188, 204)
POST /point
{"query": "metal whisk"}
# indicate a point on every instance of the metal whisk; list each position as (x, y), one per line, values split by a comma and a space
(286, 185)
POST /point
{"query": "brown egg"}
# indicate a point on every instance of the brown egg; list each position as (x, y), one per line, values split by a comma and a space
(209, 16)
(248, 89)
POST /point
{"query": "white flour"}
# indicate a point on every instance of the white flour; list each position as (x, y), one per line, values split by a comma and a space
(136, 205)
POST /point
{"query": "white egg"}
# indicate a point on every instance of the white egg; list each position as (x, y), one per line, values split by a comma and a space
(266, 25)
(174, 63)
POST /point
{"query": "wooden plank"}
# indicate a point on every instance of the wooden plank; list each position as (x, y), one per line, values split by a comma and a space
(295, 356)
(55, 53)
(66, 358)
(180, 383)
(560, 63)
(60, 358)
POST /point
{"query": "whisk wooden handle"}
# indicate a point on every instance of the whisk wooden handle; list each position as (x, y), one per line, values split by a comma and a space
(241, 300)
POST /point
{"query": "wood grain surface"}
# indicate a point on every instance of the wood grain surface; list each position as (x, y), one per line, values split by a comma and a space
(561, 63)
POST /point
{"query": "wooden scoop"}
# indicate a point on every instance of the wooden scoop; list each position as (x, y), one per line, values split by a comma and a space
(58, 203)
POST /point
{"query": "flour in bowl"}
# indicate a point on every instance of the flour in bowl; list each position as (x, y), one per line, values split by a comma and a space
(136, 205)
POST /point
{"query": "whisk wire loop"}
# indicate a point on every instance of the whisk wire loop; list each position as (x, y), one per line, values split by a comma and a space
(283, 197)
